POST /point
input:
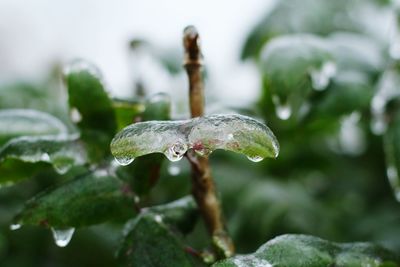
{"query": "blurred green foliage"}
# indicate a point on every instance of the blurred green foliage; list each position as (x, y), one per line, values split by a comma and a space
(330, 95)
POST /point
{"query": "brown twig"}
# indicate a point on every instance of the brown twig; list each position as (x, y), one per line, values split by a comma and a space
(203, 189)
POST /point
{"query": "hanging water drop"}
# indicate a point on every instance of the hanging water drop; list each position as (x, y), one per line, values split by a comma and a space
(394, 181)
(158, 218)
(123, 161)
(283, 111)
(15, 226)
(176, 151)
(387, 91)
(45, 157)
(174, 170)
(61, 168)
(75, 115)
(378, 126)
(62, 236)
(352, 140)
(255, 158)
(320, 78)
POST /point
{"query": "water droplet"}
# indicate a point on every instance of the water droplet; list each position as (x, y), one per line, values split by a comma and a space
(174, 170)
(320, 78)
(351, 136)
(387, 90)
(158, 218)
(45, 157)
(123, 161)
(15, 226)
(255, 158)
(378, 126)
(176, 151)
(75, 115)
(62, 236)
(394, 181)
(61, 168)
(283, 111)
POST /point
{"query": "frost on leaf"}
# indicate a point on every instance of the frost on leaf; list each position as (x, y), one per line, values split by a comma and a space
(235, 133)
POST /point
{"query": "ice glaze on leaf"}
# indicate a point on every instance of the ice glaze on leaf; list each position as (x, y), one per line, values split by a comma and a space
(235, 133)
(143, 174)
(22, 157)
(92, 199)
(149, 240)
(320, 17)
(293, 66)
(28, 122)
(181, 213)
(309, 251)
(89, 101)
(392, 154)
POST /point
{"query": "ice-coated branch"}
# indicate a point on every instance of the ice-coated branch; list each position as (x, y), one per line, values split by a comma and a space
(203, 189)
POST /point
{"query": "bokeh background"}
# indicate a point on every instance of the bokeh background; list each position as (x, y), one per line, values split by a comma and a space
(330, 178)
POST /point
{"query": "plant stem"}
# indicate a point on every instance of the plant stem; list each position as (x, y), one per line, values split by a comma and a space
(203, 189)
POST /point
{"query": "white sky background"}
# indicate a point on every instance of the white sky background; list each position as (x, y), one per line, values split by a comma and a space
(36, 33)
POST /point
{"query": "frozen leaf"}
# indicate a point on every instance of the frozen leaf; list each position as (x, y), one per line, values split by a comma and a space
(28, 122)
(356, 52)
(292, 67)
(181, 213)
(320, 17)
(349, 92)
(309, 251)
(235, 133)
(92, 199)
(143, 174)
(149, 240)
(126, 111)
(158, 107)
(88, 96)
(392, 153)
(387, 91)
(62, 152)
(13, 170)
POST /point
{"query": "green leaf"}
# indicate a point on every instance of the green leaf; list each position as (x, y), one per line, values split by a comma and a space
(126, 111)
(392, 153)
(28, 122)
(294, 66)
(158, 107)
(91, 106)
(13, 171)
(62, 152)
(181, 213)
(349, 92)
(356, 53)
(235, 133)
(320, 17)
(143, 174)
(91, 199)
(148, 241)
(309, 251)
